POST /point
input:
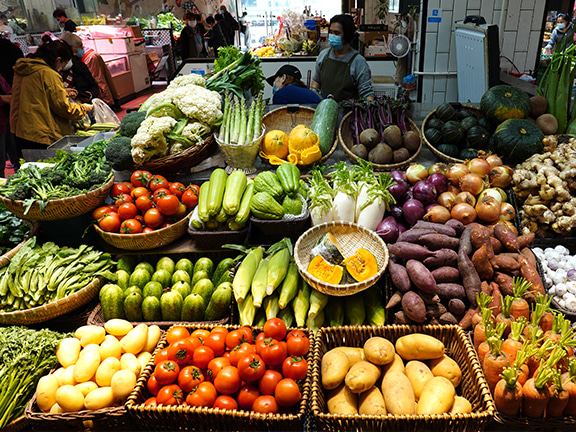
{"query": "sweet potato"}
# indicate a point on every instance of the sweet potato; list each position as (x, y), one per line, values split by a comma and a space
(439, 228)
(401, 318)
(456, 225)
(470, 279)
(399, 276)
(414, 307)
(448, 318)
(446, 274)
(525, 240)
(439, 241)
(435, 310)
(395, 300)
(429, 298)
(447, 291)
(413, 234)
(495, 304)
(407, 251)
(504, 281)
(507, 237)
(486, 288)
(481, 263)
(441, 258)
(421, 276)
(529, 255)
(479, 236)
(466, 321)
(457, 307)
(530, 273)
(505, 263)
(465, 243)
(496, 245)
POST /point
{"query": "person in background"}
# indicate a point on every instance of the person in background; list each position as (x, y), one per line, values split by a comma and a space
(200, 32)
(188, 42)
(215, 37)
(66, 23)
(562, 35)
(78, 80)
(340, 70)
(234, 26)
(226, 28)
(5, 28)
(288, 88)
(40, 111)
(245, 29)
(7, 141)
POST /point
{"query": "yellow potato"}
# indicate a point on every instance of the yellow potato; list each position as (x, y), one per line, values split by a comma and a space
(461, 406)
(362, 376)
(144, 358)
(398, 394)
(99, 398)
(110, 348)
(46, 392)
(395, 365)
(68, 351)
(81, 331)
(437, 396)
(418, 374)
(131, 363)
(335, 365)
(123, 382)
(419, 346)
(94, 335)
(66, 377)
(56, 409)
(106, 371)
(135, 341)
(86, 387)
(379, 350)
(154, 334)
(354, 354)
(372, 403)
(448, 368)
(69, 398)
(118, 327)
(58, 372)
(342, 401)
(87, 365)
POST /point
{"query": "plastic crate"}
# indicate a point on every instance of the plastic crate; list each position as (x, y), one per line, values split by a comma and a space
(385, 90)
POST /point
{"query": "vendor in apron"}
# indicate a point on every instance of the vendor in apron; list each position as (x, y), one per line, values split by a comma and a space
(340, 70)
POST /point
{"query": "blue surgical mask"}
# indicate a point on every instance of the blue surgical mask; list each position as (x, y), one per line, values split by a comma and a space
(335, 41)
(274, 89)
(80, 53)
(561, 25)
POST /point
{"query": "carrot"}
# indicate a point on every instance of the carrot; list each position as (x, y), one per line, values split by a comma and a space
(568, 379)
(505, 317)
(483, 349)
(540, 356)
(558, 396)
(513, 343)
(536, 316)
(547, 317)
(523, 374)
(480, 329)
(555, 332)
(525, 352)
(494, 362)
(535, 394)
(566, 342)
(520, 307)
(508, 392)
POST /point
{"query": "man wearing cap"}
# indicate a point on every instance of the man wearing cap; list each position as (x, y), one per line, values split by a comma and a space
(288, 88)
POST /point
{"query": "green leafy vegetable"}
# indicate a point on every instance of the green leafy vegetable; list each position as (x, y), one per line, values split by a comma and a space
(13, 230)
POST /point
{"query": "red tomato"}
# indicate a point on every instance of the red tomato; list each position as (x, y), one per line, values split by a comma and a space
(202, 396)
(176, 333)
(157, 182)
(202, 356)
(251, 367)
(123, 198)
(100, 212)
(127, 211)
(130, 226)
(267, 383)
(112, 207)
(168, 204)
(200, 334)
(140, 178)
(128, 185)
(170, 395)
(110, 222)
(159, 193)
(166, 372)
(228, 380)
(274, 353)
(246, 396)
(275, 328)
(265, 404)
(148, 230)
(225, 402)
(119, 189)
(176, 188)
(240, 351)
(137, 192)
(182, 350)
(190, 198)
(189, 377)
(216, 365)
(235, 338)
(153, 218)
(287, 393)
(161, 355)
(220, 329)
(298, 343)
(151, 401)
(295, 368)
(216, 341)
(153, 385)
(182, 211)
(144, 203)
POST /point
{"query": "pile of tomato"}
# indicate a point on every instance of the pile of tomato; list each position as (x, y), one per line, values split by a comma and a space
(231, 369)
(146, 203)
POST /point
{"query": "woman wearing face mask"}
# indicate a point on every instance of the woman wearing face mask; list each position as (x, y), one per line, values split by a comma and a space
(40, 111)
(340, 70)
(562, 35)
(190, 41)
(78, 80)
(288, 87)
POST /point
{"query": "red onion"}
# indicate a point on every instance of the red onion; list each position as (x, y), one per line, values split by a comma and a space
(416, 173)
(398, 175)
(413, 211)
(439, 181)
(398, 190)
(397, 212)
(401, 227)
(388, 229)
(424, 192)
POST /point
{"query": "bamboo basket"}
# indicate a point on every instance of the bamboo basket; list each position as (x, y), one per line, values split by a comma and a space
(54, 309)
(61, 208)
(241, 157)
(350, 237)
(156, 239)
(34, 229)
(287, 118)
(176, 162)
(473, 386)
(346, 140)
(16, 425)
(172, 418)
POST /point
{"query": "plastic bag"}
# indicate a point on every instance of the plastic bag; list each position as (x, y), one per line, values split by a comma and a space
(103, 113)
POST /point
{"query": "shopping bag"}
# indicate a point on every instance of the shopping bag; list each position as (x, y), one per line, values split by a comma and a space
(103, 113)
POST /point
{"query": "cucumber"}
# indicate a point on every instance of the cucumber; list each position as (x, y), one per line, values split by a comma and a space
(205, 264)
(325, 123)
(219, 302)
(133, 307)
(226, 277)
(193, 308)
(151, 309)
(205, 288)
(112, 302)
(223, 267)
(171, 306)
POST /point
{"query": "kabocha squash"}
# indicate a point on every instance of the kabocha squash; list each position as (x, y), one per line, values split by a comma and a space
(434, 136)
(362, 265)
(434, 123)
(518, 139)
(446, 112)
(464, 113)
(469, 122)
(449, 150)
(327, 247)
(453, 132)
(503, 102)
(325, 123)
(468, 153)
(326, 272)
(478, 137)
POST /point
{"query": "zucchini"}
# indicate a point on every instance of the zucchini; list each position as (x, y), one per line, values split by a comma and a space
(216, 191)
(235, 185)
(325, 123)
(244, 211)
(203, 202)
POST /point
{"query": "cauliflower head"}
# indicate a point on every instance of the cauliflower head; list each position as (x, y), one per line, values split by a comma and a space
(184, 80)
(191, 132)
(165, 96)
(149, 141)
(199, 103)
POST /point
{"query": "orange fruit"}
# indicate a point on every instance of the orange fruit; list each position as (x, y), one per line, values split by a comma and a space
(276, 144)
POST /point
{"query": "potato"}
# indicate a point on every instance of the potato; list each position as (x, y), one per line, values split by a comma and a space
(372, 402)
(379, 350)
(354, 354)
(81, 331)
(56, 409)
(362, 376)
(118, 327)
(437, 396)
(87, 365)
(123, 382)
(143, 358)
(342, 401)
(419, 346)
(445, 366)
(335, 365)
(67, 376)
(106, 370)
(395, 365)
(461, 406)
(99, 398)
(68, 351)
(135, 341)
(94, 335)
(154, 334)
(131, 363)
(46, 392)
(398, 394)
(110, 348)
(69, 398)
(86, 387)
(418, 374)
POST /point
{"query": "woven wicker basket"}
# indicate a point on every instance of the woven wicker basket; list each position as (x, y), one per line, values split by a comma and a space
(345, 137)
(287, 118)
(34, 228)
(473, 386)
(270, 231)
(54, 309)
(241, 157)
(142, 241)
(173, 163)
(350, 237)
(475, 110)
(213, 240)
(64, 208)
(172, 418)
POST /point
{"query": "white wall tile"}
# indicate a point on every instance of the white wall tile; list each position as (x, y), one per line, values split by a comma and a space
(439, 84)
(442, 62)
(486, 9)
(529, 4)
(523, 34)
(430, 52)
(451, 89)
(520, 61)
(474, 4)
(459, 11)
(444, 31)
(427, 89)
(438, 98)
(513, 15)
